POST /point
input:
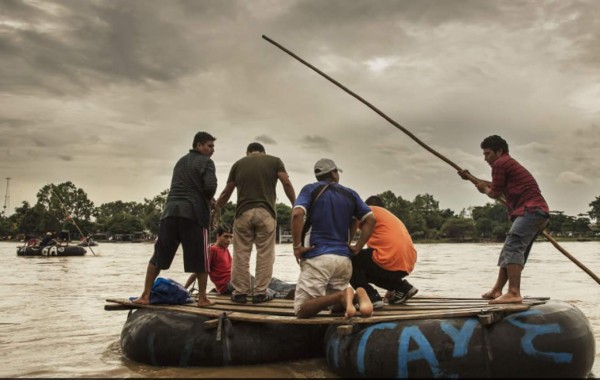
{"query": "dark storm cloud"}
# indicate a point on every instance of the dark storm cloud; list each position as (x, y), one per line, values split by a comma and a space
(266, 140)
(76, 46)
(116, 88)
(315, 143)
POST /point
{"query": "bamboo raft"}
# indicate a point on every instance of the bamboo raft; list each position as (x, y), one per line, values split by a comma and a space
(424, 337)
(281, 311)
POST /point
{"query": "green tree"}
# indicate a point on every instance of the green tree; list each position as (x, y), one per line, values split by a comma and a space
(33, 219)
(558, 219)
(64, 205)
(6, 227)
(106, 212)
(427, 215)
(284, 214)
(492, 210)
(491, 220)
(227, 214)
(65, 199)
(581, 224)
(397, 206)
(458, 228)
(484, 227)
(153, 209)
(124, 223)
(594, 213)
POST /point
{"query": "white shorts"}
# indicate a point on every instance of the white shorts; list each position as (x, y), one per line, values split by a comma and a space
(322, 275)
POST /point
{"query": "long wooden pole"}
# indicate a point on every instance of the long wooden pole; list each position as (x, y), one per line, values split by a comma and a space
(427, 147)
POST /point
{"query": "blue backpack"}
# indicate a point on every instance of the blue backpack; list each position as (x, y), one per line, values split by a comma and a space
(170, 292)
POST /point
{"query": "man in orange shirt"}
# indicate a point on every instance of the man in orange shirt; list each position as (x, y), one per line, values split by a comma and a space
(389, 258)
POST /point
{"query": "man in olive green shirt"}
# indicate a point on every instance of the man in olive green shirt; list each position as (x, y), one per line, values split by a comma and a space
(255, 178)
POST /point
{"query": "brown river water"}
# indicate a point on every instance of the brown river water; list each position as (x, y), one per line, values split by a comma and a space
(53, 323)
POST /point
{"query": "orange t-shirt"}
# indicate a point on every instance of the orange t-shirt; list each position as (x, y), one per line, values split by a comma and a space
(392, 245)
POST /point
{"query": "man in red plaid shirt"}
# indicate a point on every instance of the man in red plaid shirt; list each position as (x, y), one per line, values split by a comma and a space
(527, 209)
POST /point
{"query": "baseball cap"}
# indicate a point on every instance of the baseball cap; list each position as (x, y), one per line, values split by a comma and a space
(325, 165)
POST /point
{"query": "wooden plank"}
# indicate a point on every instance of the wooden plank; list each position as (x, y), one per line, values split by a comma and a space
(378, 316)
(425, 298)
(211, 324)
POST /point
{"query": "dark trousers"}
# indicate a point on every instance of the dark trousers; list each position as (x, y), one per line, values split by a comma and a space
(366, 272)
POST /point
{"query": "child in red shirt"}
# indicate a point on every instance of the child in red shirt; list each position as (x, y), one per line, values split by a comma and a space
(219, 262)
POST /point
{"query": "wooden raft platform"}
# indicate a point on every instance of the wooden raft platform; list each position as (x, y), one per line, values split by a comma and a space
(282, 310)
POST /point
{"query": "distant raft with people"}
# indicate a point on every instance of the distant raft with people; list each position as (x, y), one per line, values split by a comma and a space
(87, 243)
(426, 337)
(51, 250)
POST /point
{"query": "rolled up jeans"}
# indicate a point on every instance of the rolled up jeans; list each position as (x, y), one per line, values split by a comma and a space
(520, 238)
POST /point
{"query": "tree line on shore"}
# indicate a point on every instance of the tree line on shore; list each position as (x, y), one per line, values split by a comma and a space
(66, 207)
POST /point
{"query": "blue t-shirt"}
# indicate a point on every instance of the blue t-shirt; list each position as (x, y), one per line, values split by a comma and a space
(331, 218)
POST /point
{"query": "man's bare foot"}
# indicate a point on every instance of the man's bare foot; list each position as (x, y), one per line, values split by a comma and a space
(365, 306)
(348, 302)
(507, 298)
(492, 294)
(142, 300)
(204, 301)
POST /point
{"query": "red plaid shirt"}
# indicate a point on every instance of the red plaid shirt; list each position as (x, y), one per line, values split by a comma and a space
(518, 186)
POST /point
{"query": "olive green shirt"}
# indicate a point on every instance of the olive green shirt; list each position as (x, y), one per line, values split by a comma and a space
(255, 177)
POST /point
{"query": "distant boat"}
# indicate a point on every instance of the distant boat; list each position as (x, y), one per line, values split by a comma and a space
(51, 250)
(87, 243)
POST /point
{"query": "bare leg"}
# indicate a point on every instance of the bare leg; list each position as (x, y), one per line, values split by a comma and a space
(339, 300)
(151, 273)
(497, 289)
(514, 286)
(365, 306)
(202, 298)
(190, 280)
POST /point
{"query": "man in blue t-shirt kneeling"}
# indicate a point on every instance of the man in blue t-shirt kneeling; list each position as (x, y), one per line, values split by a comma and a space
(322, 244)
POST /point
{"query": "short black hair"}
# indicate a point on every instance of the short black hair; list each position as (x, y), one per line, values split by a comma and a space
(202, 138)
(374, 200)
(494, 143)
(255, 147)
(223, 229)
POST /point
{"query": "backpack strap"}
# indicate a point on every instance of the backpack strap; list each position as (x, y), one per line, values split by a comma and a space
(316, 193)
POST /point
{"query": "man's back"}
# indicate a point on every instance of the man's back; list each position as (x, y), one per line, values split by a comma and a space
(330, 217)
(517, 184)
(255, 177)
(393, 248)
(193, 184)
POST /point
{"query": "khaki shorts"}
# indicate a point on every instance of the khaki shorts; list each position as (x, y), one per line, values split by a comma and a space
(322, 275)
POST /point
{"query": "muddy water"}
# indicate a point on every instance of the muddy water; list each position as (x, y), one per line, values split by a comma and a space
(52, 321)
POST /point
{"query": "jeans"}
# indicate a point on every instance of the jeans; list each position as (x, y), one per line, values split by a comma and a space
(521, 236)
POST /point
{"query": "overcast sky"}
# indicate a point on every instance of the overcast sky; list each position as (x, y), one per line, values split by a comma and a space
(109, 94)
